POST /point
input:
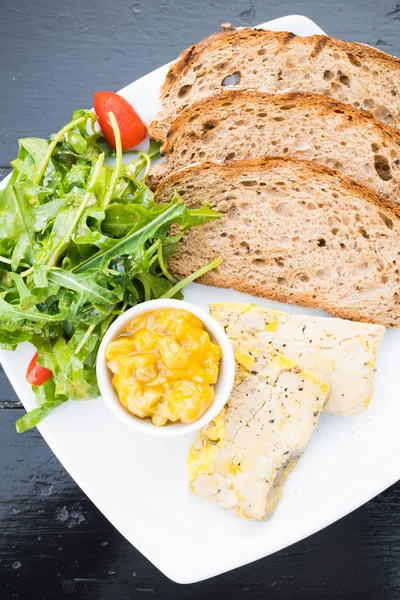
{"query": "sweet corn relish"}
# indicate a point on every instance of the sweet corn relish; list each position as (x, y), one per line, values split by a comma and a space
(165, 366)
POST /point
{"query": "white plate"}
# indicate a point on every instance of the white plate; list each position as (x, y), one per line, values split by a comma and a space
(139, 482)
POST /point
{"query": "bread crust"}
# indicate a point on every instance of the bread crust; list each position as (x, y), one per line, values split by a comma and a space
(313, 46)
(316, 43)
(335, 134)
(302, 98)
(309, 298)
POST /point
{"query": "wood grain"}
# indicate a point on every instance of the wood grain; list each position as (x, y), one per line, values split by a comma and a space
(53, 541)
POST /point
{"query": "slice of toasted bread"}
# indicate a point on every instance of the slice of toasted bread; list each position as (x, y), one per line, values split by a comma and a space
(279, 62)
(293, 231)
(241, 124)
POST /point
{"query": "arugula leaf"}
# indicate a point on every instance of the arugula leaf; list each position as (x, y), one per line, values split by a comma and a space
(84, 284)
(9, 340)
(134, 242)
(118, 162)
(33, 417)
(202, 271)
(154, 286)
(68, 218)
(84, 341)
(118, 221)
(198, 216)
(71, 378)
(79, 120)
(14, 311)
(44, 214)
(76, 177)
(18, 308)
(31, 155)
(16, 209)
(39, 293)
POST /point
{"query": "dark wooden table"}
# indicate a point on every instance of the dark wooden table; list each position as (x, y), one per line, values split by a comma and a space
(54, 544)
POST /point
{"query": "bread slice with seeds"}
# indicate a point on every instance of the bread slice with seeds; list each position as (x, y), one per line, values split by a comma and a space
(241, 124)
(293, 231)
(279, 62)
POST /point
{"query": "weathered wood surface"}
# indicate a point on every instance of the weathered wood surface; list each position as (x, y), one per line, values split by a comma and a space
(53, 541)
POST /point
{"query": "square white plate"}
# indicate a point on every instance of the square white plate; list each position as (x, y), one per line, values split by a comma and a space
(139, 483)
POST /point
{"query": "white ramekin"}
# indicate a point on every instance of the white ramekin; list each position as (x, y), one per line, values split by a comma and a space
(223, 386)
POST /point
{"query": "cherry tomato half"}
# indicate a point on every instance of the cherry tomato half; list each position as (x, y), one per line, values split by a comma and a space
(131, 126)
(35, 374)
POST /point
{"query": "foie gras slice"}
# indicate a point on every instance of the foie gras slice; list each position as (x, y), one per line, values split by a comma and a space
(240, 460)
(339, 351)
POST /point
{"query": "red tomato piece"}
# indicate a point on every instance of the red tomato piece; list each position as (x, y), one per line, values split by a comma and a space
(131, 126)
(36, 374)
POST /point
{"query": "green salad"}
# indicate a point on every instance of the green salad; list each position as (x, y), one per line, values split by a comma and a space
(81, 240)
